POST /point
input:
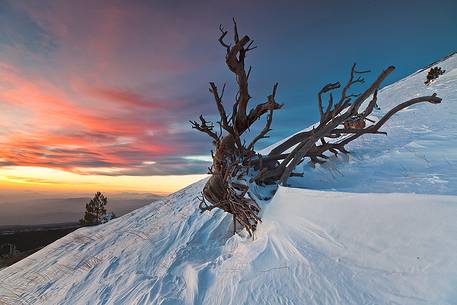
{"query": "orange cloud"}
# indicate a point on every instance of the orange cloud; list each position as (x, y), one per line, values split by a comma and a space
(60, 131)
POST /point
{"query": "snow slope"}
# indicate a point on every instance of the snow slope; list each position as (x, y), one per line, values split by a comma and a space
(314, 246)
(419, 154)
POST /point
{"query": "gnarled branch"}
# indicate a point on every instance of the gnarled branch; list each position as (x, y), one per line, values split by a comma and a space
(236, 166)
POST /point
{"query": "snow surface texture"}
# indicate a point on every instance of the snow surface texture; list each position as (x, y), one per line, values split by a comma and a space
(419, 154)
(314, 246)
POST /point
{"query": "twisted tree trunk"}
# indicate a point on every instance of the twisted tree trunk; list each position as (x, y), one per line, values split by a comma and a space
(236, 166)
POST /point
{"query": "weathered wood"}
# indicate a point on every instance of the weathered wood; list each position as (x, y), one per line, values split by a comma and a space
(233, 160)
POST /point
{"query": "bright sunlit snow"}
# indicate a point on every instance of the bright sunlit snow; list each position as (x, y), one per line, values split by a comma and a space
(360, 236)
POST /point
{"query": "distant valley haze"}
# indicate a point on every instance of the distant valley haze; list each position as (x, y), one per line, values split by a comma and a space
(35, 208)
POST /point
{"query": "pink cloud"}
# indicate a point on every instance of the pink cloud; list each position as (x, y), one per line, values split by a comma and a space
(95, 98)
(126, 98)
(59, 132)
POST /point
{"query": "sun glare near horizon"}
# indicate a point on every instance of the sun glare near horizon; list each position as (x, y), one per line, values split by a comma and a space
(45, 179)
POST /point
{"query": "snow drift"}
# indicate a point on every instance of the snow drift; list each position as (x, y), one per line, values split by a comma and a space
(364, 239)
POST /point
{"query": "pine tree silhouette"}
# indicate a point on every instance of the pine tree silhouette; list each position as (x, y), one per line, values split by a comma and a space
(95, 210)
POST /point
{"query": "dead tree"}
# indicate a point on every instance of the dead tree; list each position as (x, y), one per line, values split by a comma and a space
(238, 171)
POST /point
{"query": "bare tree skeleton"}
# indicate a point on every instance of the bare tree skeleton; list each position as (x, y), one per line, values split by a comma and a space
(233, 159)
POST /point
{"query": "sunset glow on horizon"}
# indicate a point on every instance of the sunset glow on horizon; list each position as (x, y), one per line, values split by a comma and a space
(47, 179)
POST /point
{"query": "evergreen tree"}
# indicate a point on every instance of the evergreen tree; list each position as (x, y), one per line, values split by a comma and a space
(95, 210)
(433, 74)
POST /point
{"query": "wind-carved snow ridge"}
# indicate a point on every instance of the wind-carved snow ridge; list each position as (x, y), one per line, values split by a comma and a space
(374, 243)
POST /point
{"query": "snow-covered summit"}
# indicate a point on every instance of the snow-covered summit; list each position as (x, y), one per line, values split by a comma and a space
(374, 243)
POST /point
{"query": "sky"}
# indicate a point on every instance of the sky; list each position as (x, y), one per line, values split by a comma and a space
(97, 95)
